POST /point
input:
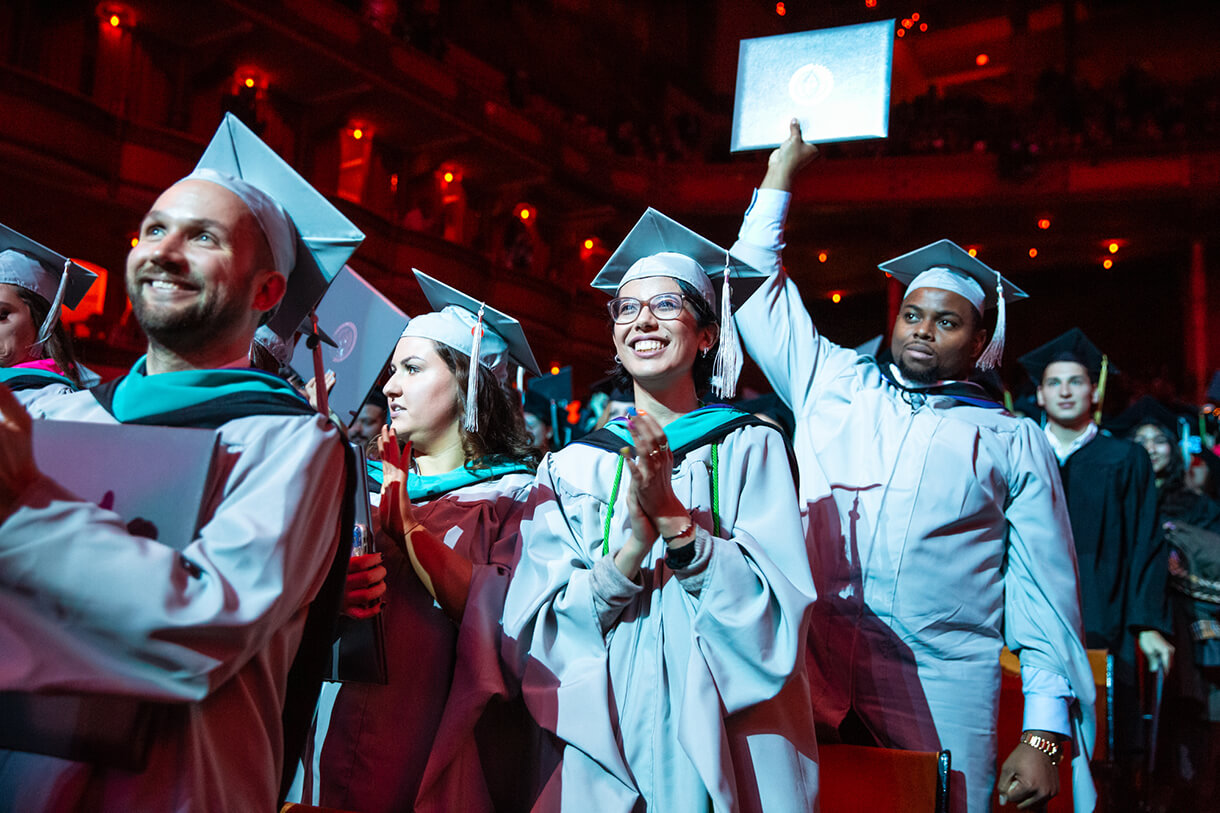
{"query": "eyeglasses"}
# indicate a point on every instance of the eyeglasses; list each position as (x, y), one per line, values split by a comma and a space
(626, 309)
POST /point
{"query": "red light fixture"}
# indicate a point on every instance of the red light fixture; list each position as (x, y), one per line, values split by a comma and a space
(923, 26)
(447, 176)
(1113, 248)
(588, 243)
(908, 22)
(836, 297)
(115, 16)
(902, 32)
(525, 213)
(1107, 263)
(870, 3)
(823, 256)
(981, 60)
(781, 9)
(554, 369)
(1033, 252)
(1044, 223)
(915, 16)
(973, 251)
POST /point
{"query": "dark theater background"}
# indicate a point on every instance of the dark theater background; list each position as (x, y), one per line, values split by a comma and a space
(507, 147)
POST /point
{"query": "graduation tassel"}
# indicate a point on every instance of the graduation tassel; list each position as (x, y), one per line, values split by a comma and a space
(991, 356)
(1101, 386)
(53, 314)
(727, 366)
(471, 423)
(321, 394)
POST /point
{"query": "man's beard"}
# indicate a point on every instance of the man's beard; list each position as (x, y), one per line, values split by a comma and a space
(186, 330)
(929, 375)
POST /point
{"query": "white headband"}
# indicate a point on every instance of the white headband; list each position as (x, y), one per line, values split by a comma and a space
(272, 218)
(675, 266)
(949, 280)
(454, 327)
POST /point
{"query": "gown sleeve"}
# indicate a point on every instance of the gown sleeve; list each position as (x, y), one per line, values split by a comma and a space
(1042, 620)
(87, 606)
(775, 326)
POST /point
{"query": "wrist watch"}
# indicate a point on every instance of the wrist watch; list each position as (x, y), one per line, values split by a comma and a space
(1052, 749)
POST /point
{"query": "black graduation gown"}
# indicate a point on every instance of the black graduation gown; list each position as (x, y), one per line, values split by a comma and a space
(1123, 558)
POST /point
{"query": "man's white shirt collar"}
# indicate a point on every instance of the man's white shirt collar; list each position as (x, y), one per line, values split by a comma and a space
(1062, 452)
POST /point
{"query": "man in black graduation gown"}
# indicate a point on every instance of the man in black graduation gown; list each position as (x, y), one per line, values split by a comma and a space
(1112, 502)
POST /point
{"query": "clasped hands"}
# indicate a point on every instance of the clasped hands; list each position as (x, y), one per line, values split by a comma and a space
(652, 506)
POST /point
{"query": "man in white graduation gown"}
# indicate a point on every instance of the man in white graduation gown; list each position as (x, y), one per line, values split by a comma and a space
(954, 531)
(88, 607)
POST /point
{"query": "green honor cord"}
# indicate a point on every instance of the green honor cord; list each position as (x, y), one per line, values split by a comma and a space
(618, 480)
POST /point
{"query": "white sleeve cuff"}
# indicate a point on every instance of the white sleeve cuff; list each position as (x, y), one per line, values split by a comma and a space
(1047, 699)
(764, 221)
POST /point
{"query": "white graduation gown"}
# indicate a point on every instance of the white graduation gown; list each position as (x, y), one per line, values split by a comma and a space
(953, 541)
(85, 606)
(682, 690)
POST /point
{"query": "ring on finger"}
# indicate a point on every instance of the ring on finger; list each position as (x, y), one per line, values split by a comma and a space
(654, 453)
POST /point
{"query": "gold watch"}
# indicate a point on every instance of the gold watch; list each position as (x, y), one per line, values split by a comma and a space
(1052, 749)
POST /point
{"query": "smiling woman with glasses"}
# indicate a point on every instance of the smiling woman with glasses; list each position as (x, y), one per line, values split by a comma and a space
(658, 610)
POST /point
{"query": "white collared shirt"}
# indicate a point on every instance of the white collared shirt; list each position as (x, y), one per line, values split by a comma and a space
(1062, 452)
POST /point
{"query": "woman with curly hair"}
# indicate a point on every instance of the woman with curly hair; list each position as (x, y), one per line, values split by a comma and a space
(448, 730)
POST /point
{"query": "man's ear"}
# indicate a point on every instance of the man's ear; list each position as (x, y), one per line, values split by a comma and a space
(269, 289)
(1039, 398)
(1096, 395)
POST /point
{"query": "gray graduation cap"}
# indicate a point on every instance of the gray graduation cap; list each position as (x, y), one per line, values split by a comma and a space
(870, 347)
(318, 239)
(474, 329)
(31, 265)
(946, 265)
(659, 246)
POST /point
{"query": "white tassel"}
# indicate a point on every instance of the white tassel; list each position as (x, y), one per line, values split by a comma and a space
(53, 313)
(994, 353)
(471, 423)
(727, 366)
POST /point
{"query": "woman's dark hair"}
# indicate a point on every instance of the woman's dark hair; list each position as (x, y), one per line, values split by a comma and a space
(701, 371)
(59, 345)
(501, 436)
(1172, 489)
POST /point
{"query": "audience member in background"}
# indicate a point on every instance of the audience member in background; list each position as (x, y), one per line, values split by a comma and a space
(36, 357)
(1112, 501)
(369, 420)
(1191, 522)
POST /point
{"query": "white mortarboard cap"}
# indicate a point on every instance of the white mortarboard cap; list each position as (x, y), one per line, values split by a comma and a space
(324, 239)
(870, 347)
(36, 268)
(659, 246)
(946, 265)
(474, 329)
